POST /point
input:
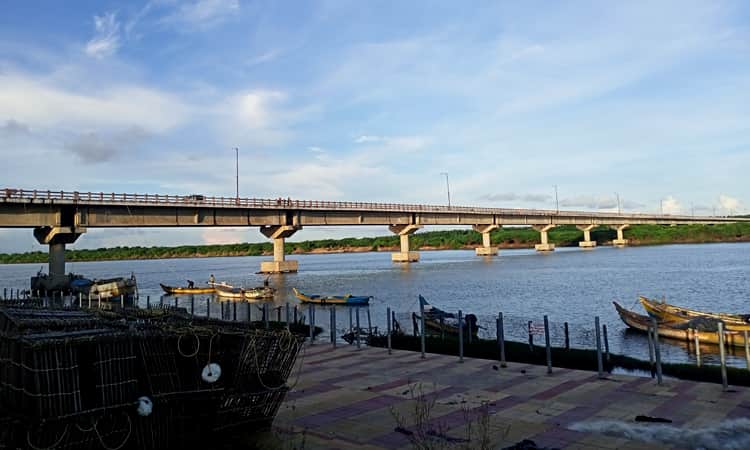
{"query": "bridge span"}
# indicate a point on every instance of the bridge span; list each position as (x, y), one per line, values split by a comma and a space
(60, 217)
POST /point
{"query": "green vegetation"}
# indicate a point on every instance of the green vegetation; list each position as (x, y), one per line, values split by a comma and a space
(509, 237)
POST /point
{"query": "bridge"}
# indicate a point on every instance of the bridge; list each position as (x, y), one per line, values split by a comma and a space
(60, 217)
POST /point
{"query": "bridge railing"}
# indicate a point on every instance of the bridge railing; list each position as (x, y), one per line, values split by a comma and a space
(11, 194)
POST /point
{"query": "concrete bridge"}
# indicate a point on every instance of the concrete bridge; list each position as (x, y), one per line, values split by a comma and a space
(60, 217)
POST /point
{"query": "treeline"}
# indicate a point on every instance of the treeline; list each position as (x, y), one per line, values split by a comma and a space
(510, 237)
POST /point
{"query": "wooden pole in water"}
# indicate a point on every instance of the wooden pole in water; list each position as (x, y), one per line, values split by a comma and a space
(80, 301)
(599, 365)
(388, 327)
(309, 322)
(460, 336)
(657, 350)
(369, 322)
(351, 323)
(208, 308)
(722, 355)
(234, 311)
(747, 351)
(531, 337)
(288, 313)
(501, 338)
(651, 351)
(547, 345)
(357, 330)
(606, 342)
(192, 305)
(442, 328)
(421, 319)
(567, 336)
(697, 347)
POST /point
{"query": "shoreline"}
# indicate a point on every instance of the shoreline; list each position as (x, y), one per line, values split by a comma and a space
(383, 249)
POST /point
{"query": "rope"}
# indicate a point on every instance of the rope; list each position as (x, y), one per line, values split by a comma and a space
(197, 347)
(125, 441)
(59, 441)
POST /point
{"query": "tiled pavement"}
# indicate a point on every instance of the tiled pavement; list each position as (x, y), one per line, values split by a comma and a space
(347, 398)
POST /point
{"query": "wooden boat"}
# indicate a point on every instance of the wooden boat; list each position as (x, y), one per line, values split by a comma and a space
(665, 311)
(441, 321)
(228, 291)
(187, 290)
(333, 299)
(684, 330)
(105, 289)
(258, 293)
(255, 293)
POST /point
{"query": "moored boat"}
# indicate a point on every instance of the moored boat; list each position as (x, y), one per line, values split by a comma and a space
(187, 290)
(664, 311)
(706, 328)
(228, 291)
(445, 322)
(258, 293)
(333, 299)
(105, 288)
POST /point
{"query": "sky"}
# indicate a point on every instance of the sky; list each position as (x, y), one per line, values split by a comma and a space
(521, 104)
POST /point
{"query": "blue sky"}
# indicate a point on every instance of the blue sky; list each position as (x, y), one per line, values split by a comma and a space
(372, 101)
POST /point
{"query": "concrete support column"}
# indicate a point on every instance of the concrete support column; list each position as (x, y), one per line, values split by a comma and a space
(620, 241)
(404, 231)
(545, 246)
(486, 249)
(279, 233)
(56, 238)
(586, 242)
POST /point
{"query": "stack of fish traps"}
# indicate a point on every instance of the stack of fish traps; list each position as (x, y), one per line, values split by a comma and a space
(146, 379)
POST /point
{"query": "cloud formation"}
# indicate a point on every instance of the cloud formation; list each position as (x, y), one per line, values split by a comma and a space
(95, 147)
(512, 196)
(203, 14)
(106, 38)
(599, 203)
(729, 204)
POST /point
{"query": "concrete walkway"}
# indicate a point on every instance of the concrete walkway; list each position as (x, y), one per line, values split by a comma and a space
(346, 398)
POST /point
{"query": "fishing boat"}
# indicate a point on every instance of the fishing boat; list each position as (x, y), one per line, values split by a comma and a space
(254, 293)
(333, 299)
(228, 291)
(706, 328)
(441, 321)
(187, 290)
(105, 288)
(664, 311)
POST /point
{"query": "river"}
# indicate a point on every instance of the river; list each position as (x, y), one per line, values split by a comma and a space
(569, 285)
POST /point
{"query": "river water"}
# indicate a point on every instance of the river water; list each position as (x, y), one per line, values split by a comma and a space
(569, 285)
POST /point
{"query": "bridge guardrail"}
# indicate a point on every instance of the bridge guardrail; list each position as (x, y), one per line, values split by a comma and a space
(11, 194)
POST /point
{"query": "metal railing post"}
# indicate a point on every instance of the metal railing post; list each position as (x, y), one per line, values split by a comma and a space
(599, 365)
(460, 336)
(501, 339)
(722, 355)
(388, 327)
(547, 345)
(657, 350)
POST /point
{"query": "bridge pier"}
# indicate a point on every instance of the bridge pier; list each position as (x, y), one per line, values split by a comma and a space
(620, 241)
(56, 238)
(279, 233)
(545, 246)
(486, 249)
(404, 256)
(586, 242)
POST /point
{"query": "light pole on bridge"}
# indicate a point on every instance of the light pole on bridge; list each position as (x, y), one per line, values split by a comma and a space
(447, 187)
(237, 171)
(557, 204)
(618, 203)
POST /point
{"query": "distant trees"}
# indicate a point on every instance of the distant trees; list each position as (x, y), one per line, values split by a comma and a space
(566, 235)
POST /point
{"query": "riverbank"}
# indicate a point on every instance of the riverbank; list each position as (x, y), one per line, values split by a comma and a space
(503, 238)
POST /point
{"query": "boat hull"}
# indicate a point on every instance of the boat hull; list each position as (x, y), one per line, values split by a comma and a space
(671, 312)
(351, 300)
(185, 290)
(678, 329)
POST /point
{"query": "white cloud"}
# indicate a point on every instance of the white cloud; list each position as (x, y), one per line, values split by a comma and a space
(729, 204)
(365, 139)
(670, 205)
(203, 13)
(39, 103)
(106, 39)
(213, 236)
(255, 109)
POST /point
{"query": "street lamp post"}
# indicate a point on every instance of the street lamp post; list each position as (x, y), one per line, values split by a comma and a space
(557, 204)
(447, 187)
(618, 203)
(237, 171)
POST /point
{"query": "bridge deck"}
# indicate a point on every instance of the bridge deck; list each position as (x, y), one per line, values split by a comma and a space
(344, 398)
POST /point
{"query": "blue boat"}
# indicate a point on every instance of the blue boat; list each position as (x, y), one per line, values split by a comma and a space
(333, 299)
